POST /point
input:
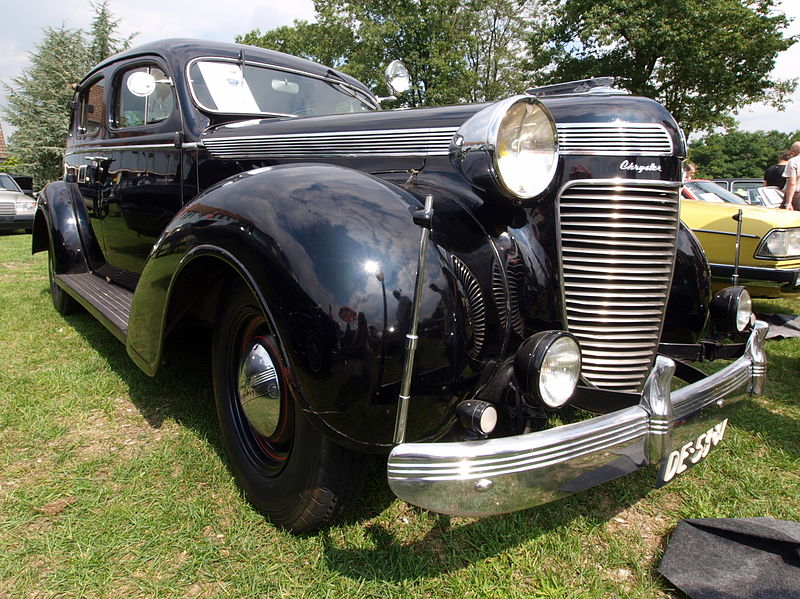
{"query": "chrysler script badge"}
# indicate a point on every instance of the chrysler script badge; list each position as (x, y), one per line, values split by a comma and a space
(627, 165)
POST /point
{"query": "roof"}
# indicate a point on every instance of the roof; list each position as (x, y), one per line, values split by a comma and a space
(182, 50)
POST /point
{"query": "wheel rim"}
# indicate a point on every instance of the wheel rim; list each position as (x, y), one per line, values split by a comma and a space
(261, 401)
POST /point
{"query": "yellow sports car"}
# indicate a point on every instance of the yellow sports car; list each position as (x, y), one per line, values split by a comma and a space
(769, 252)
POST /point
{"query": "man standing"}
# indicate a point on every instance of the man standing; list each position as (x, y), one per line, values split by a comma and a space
(773, 176)
(791, 193)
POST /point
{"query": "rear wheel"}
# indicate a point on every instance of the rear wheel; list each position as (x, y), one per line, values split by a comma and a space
(63, 302)
(287, 469)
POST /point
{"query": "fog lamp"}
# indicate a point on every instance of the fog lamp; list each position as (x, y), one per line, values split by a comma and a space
(548, 365)
(478, 416)
(732, 310)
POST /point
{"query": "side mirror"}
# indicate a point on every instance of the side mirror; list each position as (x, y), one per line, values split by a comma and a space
(141, 84)
(397, 77)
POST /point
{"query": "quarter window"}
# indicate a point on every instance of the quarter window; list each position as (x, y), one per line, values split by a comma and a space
(93, 108)
(144, 97)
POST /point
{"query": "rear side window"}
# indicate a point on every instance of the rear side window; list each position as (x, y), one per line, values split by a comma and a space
(144, 97)
(93, 109)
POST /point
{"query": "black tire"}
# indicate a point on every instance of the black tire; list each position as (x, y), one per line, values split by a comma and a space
(63, 302)
(289, 471)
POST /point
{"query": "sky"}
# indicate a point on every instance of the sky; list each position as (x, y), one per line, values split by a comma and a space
(24, 20)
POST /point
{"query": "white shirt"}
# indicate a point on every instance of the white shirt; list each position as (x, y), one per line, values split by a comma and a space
(792, 168)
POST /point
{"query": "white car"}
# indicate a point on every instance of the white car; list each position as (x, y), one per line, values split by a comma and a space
(16, 208)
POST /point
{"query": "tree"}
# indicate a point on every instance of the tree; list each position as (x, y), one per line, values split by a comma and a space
(455, 50)
(38, 99)
(38, 102)
(738, 153)
(102, 42)
(702, 59)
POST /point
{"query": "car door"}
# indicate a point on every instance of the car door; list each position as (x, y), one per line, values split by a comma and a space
(87, 137)
(139, 169)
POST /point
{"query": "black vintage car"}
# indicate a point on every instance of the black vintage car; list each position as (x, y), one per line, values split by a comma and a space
(431, 285)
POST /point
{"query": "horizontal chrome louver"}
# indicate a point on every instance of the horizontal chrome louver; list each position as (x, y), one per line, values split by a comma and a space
(401, 142)
(7, 208)
(618, 247)
(623, 139)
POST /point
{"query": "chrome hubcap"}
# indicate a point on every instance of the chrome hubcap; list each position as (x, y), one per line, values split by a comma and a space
(259, 390)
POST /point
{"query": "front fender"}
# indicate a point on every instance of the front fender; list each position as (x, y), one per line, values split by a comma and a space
(690, 295)
(331, 254)
(61, 222)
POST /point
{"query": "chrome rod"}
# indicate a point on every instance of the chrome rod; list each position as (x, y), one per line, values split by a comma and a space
(738, 219)
(425, 220)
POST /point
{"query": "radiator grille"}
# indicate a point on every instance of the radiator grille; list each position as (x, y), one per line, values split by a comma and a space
(618, 248)
(8, 208)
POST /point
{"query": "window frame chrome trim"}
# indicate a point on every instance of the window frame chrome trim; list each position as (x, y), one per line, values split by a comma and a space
(367, 95)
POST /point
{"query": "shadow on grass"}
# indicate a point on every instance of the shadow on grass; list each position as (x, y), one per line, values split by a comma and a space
(182, 388)
(448, 545)
(182, 391)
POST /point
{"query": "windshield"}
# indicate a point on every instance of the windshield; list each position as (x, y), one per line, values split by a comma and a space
(711, 192)
(768, 196)
(219, 86)
(7, 183)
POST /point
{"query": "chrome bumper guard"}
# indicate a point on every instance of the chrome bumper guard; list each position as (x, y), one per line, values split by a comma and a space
(495, 476)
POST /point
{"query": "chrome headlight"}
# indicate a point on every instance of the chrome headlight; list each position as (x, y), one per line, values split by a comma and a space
(732, 310)
(780, 243)
(25, 206)
(548, 365)
(511, 147)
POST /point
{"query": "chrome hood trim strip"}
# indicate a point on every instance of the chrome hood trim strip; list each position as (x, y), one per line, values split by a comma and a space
(341, 144)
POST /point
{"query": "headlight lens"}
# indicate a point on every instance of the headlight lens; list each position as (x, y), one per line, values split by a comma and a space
(24, 206)
(510, 147)
(732, 310)
(548, 366)
(744, 311)
(560, 371)
(780, 243)
(525, 154)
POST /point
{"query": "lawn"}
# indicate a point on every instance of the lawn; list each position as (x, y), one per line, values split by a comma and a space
(113, 484)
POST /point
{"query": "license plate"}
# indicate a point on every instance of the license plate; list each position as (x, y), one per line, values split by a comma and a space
(690, 453)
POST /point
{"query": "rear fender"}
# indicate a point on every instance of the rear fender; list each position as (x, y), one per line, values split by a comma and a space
(61, 222)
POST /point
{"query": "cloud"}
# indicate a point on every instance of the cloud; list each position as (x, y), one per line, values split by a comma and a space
(23, 23)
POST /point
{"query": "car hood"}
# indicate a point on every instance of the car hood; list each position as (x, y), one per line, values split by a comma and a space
(413, 132)
(13, 195)
(756, 220)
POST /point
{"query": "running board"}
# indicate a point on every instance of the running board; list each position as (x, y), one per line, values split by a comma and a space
(109, 303)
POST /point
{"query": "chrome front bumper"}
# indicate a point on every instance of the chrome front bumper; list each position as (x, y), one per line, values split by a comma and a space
(479, 478)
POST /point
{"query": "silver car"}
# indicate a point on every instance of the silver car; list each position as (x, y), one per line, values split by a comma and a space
(16, 208)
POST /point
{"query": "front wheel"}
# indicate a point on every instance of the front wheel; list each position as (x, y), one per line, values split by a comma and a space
(287, 469)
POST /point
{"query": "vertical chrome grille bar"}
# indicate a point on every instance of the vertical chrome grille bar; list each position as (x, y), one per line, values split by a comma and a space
(618, 242)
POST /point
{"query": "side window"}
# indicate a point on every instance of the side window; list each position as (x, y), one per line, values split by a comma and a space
(93, 109)
(144, 97)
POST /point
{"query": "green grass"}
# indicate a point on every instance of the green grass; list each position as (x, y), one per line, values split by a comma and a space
(113, 484)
